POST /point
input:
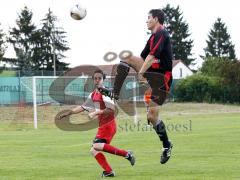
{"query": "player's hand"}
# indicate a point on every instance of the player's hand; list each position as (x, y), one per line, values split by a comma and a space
(142, 80)
(93, 115)
(65, 114)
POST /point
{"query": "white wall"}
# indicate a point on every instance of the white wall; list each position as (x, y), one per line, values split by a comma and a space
(181, 71)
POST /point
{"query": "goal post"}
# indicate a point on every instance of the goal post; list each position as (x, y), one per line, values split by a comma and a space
(75, 86)
(41, 91)
(34, 102)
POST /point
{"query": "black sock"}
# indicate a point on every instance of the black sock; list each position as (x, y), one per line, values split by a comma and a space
(122, 72)
(162, 133)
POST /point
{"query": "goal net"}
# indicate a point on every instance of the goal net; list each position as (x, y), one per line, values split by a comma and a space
(51, 94)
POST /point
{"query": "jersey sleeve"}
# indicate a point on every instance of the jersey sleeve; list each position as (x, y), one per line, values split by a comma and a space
(88, 105)
(157, 43)
(145, 51)
(109, 103)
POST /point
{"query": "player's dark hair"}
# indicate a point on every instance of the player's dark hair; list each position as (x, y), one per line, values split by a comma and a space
(99, 71)
(157, 13)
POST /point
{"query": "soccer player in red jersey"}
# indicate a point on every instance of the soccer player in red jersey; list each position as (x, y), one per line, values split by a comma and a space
(104, 111)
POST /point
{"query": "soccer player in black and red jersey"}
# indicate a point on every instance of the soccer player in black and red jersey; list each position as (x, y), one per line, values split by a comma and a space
(104, 111)
(154, 68)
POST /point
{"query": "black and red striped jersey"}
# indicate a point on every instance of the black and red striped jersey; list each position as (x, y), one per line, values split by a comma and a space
(159, 45)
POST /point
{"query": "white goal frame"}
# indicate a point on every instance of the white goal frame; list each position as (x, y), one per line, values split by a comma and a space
(34, 94)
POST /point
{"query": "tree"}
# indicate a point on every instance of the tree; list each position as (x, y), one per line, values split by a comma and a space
(2, 45)
(219, 42)
(213, 66)
(21, 37)
(53, 44)
(179, 31)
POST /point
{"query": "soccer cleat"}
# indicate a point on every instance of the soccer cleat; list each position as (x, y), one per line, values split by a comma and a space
(108, 92)
(108, 174)
(130, 157)
(166, 154)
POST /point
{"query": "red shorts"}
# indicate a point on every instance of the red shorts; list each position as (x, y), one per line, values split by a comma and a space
(107, 131)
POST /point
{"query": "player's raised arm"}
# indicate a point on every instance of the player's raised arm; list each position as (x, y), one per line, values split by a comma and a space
(77, 110)
(86, 106)
(69, 112)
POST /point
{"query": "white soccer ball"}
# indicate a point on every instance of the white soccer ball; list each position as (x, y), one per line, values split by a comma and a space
(78, 12)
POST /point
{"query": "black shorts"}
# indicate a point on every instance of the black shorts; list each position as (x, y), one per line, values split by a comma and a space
(160, 84)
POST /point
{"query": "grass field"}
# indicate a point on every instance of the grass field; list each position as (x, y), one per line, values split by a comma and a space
(206, 142)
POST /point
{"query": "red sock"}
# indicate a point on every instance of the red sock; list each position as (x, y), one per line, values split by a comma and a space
(102, 161)
(113, 150)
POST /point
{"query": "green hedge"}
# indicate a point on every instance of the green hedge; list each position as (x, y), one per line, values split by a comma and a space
(199, 88)
(218, 81)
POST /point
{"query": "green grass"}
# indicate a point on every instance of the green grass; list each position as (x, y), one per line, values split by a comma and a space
(206, 146)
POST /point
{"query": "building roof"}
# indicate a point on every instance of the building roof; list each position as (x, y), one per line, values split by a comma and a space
(175, 62)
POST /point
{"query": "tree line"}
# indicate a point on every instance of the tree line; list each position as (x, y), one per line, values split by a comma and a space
(218, 80)
(35, 48)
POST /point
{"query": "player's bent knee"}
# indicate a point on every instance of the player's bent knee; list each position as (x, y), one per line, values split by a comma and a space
(150, 118)
(93, 152)
(152, 114)
(127, 61)
(98, 146)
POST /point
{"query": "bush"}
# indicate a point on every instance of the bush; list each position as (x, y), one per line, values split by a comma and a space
(228, 70)
(199, 88)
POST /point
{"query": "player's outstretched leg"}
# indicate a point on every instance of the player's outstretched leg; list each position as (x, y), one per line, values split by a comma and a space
(113, 150)
(121, 74)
